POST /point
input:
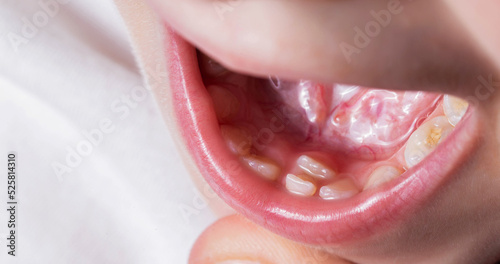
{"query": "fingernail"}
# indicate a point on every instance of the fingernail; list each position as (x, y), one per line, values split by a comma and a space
(238, 262)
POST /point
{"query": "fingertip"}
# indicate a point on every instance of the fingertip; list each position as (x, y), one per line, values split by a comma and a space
(234, 239)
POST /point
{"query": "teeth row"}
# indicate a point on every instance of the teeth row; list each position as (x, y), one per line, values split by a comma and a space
(420, 144)
(304, 185)
(312, 170)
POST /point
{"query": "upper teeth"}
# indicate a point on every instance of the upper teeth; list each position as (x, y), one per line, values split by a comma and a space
(425, 139)
(454, 108)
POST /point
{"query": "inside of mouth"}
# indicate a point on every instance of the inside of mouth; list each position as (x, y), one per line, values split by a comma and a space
(322, 141)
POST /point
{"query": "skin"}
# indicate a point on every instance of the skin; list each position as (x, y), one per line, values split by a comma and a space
(460, 224)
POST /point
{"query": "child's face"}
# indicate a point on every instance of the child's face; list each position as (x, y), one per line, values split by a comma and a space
(373, 175)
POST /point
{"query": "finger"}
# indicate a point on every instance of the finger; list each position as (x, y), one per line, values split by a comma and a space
(386, 44)
(236, 240)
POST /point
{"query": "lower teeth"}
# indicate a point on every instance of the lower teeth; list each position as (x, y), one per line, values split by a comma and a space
(315, 168)
(264, 167)
(425, 139)
(308, 172)
(300, 185)
(382, 175)
(454, 108)
(342, 189)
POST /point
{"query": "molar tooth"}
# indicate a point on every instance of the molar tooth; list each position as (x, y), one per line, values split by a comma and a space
(299, 185)
(425, 139)
(341, 189)
(238, 140)
(226, 105)
(454, 108)
(382, 175)
(263, 166)
(315, 168)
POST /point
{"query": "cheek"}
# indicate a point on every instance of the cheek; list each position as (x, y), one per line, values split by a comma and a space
(480, 18)
(458, 219)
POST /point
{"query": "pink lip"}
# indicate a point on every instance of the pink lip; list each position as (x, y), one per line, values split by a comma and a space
(305, 220)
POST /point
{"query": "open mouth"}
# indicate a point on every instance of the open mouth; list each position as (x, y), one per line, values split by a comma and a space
(320, 164)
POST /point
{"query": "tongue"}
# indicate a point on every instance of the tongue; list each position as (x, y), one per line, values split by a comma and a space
(365, 123)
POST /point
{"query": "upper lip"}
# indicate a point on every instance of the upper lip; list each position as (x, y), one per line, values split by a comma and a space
(304, 220)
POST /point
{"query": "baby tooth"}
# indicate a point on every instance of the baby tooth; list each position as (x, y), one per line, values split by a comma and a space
(299, 185)
(382, 175)
(339, 190)
(238, 141)
(226, 105)
(426, 138)
(263, 166)
(454, 108)
(315, 168)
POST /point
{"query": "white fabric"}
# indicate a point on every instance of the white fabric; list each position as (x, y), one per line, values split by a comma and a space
(120, 202)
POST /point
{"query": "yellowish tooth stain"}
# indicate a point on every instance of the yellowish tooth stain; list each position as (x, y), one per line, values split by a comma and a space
(434, 136)
(460, 105)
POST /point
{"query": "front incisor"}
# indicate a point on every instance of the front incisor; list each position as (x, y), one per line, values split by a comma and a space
(341, 189)
(300, 185)
(264, 167)
(315, 168)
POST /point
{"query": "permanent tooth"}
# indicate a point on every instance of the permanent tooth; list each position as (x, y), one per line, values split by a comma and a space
(426, 138)
(339, 190)
(382, 175)
(238, 140)
(454, 108)
(226, 105)
(263, 166)
(315, 168)
(299, 185)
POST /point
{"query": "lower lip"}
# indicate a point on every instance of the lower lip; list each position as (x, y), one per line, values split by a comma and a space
(312, 221)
